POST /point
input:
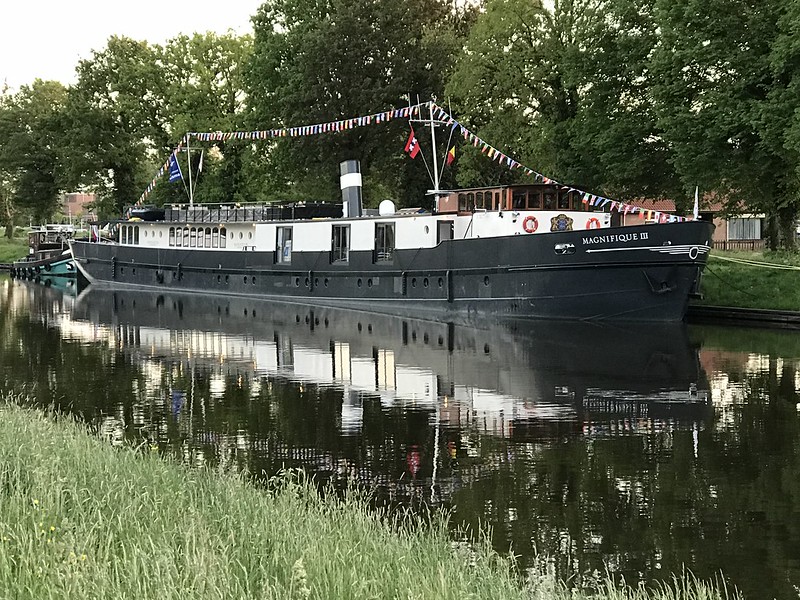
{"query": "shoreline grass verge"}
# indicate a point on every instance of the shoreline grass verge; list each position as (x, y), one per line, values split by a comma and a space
(80, 519)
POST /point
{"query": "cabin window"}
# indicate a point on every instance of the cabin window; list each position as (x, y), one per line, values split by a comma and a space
(479, 199)
(534, 200)
(136, 235)
(496, 204)
(192, 237)
(548, 200)
(284, 245)
(123, 234)
(223, 237)
(563, 200)
(208, 237)
(519, 200)
(384, 242)
(215, 238)
(171, 236)
(200, 238)
(186, 237)
(340, 245)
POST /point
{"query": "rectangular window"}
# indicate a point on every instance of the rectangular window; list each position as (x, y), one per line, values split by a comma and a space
(384, 242)
(549, 201)
(563, 200)
(215, 238)
(193, 237)
(534, 200)
(284, 245)
(171, 236)
(340, 245)
(185, 237)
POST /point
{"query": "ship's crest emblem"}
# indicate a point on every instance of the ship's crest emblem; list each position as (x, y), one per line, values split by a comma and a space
(561, 223)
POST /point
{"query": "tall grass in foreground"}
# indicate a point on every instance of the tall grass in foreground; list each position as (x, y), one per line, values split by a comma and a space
(79, 519)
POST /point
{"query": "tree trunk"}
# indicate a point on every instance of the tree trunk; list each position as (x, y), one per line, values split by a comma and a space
(788, 226)
(772, 232)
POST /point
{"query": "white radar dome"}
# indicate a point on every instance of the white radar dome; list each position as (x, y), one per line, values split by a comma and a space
(386, 208)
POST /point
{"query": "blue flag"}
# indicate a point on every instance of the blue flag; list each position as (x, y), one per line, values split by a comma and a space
(174, 169)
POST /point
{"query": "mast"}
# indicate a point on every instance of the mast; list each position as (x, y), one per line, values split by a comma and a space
(189, 167)
(435, 158)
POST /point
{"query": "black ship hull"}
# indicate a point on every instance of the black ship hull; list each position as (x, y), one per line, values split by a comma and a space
(644, 273)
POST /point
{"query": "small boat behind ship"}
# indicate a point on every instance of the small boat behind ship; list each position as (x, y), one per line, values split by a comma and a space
(536, 250)
(49, 254)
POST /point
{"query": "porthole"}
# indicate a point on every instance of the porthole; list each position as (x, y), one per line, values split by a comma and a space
(326, 282)
(245, 312)
(425, 338)
(297, 318)
(359, 326)
(253, 280)
(241, 235)
(486, 280)
(369, 328)
(326, 321)
(441, 282)
(359, 282)
(245, 278)
(307, 282)
(427, 229)
(369, 282)
(440, 341)
(316, 281)
(425, 282)
(296, 282)
(249, 235)
(413, 282)
(486, 348)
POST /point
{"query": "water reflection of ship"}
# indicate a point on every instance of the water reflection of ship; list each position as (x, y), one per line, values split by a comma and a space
(506, 377)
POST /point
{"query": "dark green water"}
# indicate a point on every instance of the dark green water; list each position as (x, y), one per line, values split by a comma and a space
(641, 450)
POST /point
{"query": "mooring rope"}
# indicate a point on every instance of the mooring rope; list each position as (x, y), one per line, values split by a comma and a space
(756, 263)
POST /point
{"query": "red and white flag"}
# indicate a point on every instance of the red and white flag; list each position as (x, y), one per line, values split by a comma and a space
(412, 145)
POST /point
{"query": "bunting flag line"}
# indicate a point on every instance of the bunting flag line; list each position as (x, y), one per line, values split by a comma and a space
(412, 147)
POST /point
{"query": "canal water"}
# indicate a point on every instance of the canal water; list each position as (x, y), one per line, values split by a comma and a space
(642, 450)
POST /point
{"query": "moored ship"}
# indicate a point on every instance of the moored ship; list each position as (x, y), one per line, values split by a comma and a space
(538, 250)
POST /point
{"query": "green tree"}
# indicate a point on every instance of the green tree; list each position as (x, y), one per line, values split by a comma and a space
(316, 61)
(566, 91)
(31, 143)
(722, 82)
(116, 118)
(205, 92)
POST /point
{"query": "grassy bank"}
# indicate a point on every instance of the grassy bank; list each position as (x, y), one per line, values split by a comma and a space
(79, 519)
(752, 280)
(14, 248)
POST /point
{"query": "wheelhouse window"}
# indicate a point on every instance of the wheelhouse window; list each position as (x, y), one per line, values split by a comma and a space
(284, 245)
(208, 237)
(124, 232)
(223, 237)
(519, 200)
(215, 238)
(340, 244)
(549, 201)
(136, 234)
(534, 200)
(171, 236)
(384, 242)
(563, 200)
(193, 237)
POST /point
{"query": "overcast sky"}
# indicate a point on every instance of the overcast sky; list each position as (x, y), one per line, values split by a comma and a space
(45, 39)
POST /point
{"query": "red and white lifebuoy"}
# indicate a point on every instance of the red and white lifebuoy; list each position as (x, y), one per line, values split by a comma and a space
(593, 223)
(530, 224)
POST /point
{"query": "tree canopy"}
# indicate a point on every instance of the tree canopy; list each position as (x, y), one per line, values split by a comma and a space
(625, 98)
